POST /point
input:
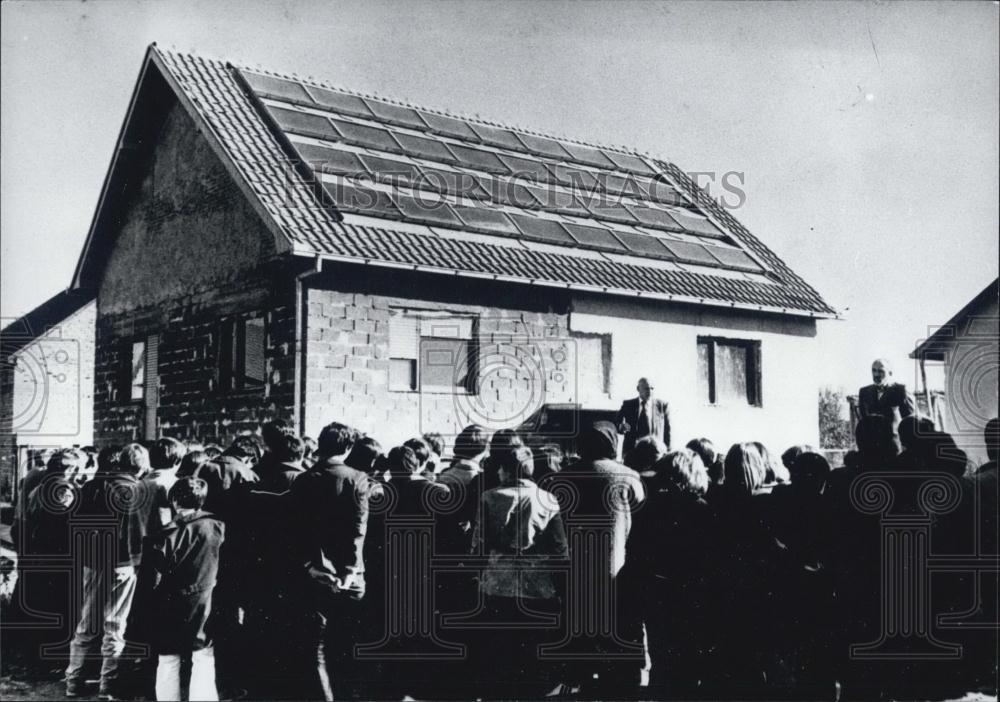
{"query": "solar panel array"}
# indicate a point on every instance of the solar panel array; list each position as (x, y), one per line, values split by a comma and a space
(387, 160)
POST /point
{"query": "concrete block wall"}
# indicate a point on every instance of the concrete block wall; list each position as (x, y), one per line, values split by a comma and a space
(526, 357)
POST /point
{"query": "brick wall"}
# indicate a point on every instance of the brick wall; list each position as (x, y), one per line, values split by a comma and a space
(191, 404)
(526, 358)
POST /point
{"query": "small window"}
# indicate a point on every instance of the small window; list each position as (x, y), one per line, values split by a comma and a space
(729, 371)
(138, 374)
(432, 352)
(242, 362)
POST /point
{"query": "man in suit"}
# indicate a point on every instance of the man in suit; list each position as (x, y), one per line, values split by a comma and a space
(885, 398)
(643, 416)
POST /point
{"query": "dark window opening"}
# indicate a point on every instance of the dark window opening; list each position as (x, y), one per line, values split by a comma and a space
(432, 353)
(729, 371)
(242, 362)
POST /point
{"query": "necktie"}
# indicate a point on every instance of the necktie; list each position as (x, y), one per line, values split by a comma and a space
(642, 426)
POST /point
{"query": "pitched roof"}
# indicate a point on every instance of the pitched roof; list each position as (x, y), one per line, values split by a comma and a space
(30, 326)
(934, 347)
(355, 178)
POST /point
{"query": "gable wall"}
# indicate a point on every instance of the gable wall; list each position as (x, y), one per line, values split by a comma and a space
(190, 252)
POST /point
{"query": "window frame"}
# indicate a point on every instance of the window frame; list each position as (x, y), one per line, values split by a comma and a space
(417, 374)
(753, 371)
(230, 366)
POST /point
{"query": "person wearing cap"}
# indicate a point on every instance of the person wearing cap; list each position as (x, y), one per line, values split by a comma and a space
(885, 398)
(644, 415)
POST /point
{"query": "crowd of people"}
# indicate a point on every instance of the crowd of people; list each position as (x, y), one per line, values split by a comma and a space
(496, 567)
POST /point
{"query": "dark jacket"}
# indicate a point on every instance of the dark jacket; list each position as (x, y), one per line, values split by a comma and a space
(895, 403)
(229, 479)
(330, 505)
(659, 421)
(184, 566)
(275, 476)
(124, 503)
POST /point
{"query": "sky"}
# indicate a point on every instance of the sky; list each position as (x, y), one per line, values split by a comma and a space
(865, 134)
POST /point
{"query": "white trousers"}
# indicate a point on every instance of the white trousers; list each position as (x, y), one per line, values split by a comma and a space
(202, 685)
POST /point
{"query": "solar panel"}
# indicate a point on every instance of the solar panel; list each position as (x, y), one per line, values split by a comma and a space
(547, 230)
(389, 170)
(486, 218)
(692, 253)
(614, 183)
(543, 146)
(662, 191)
(509, 192)
(477, 158)
(496, 136)
(698, 225)
(362, 200)
(734, 258)
(607, 208)
(303, 123)
(328, 160)
(426, 210)
(578, 178)
(629, 162)
(594, 236)
(653, 217)
(587, 154)
(276, 87)
(395, 113)
(527, 168)
(449, 126)
(424, 148)
(452, 182)
(341, 102)
(560, 201)
(642, 244)
(363, 135)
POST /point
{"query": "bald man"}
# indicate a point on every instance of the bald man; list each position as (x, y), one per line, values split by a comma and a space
(642, 416)
(886, 398)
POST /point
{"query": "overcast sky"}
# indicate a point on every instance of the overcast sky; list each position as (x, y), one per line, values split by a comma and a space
(867, 133)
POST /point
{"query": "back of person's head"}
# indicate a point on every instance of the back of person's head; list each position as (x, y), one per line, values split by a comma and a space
(133, 459)
(792, 453)
(64, 462)
(402, 462)
(810, 472)
(246, 448)
(503, 440)
(647, 451)
(336, 439)
(420, 448)
(913, 429)
(992, 436)
(107, 460)
(516, 462)
(192, 461)
(271, 434)
(188, 493)
(548, 460)
(682, 471)
(774, 469)
(289, 448)
(435, 441)
(598, 442)
(942, 453)
(213, 451)
(471, 442)
(194, 446)
(364, 454)
(166, 453)
(744, 468)
(705, 450)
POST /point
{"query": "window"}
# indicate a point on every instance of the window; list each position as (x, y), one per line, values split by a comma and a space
(140, 379)
(242, 363)
(729, 371)
(137, 376)
(434, 352)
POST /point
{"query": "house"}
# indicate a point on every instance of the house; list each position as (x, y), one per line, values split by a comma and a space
(967, 347)
(270, 246)
(46, 381)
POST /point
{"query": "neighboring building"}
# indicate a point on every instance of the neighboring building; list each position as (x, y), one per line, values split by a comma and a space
(967, 346)
(269, 246)
(46, 381)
